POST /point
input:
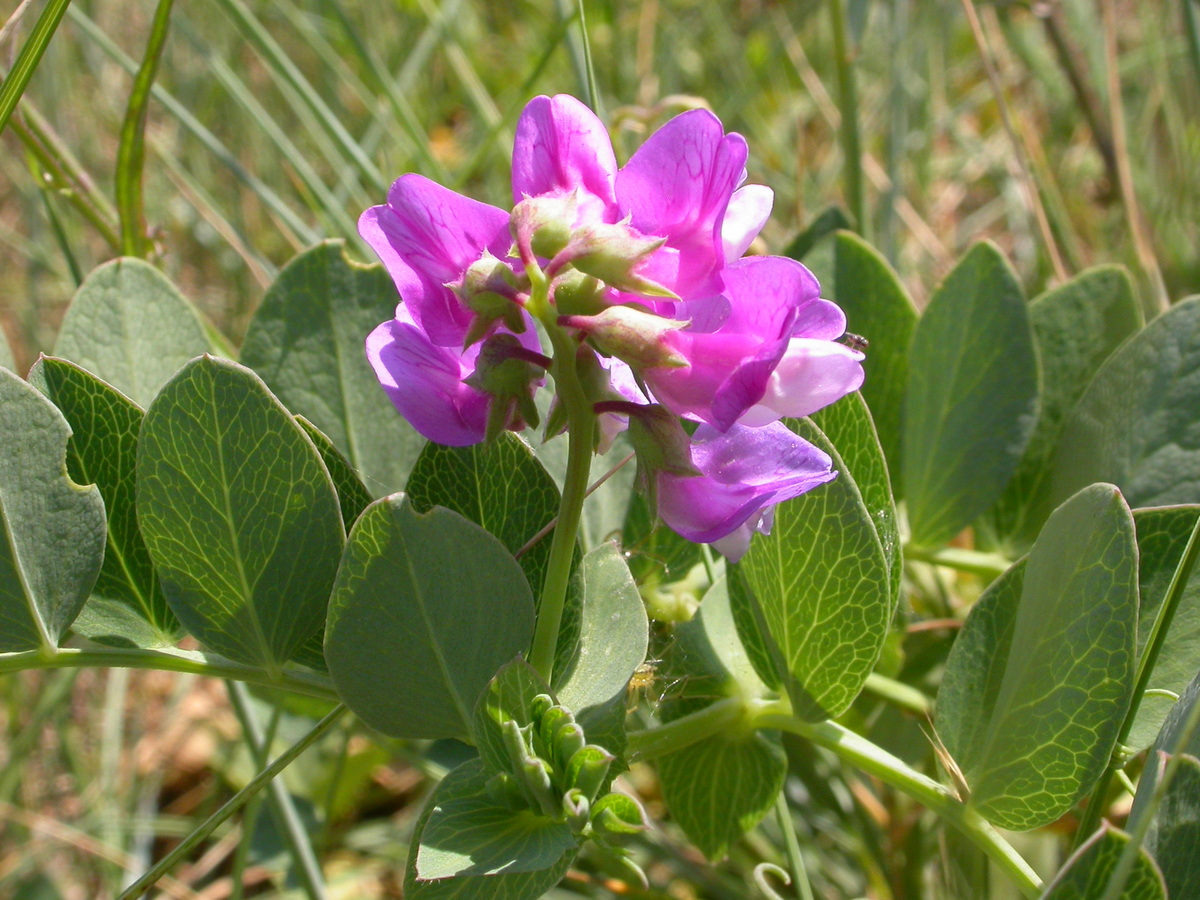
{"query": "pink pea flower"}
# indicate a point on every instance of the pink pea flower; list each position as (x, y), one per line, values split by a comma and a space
(744, 473)
(681, 185)
(763, 349)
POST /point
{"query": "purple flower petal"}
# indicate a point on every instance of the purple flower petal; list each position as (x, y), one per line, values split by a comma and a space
(747, 213)
(560, 146)
(811, 375)
(744, 472)
(424, 382)
(678, 186)
(426, 236)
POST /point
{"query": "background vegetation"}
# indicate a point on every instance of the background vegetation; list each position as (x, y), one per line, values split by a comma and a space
(1067, 131)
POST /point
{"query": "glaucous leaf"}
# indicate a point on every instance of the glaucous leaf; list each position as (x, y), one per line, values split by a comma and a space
(823, 587)
(1162, 535)
(500, 486)
(878, 308)
(1039, 680)
(129, 325)
(306, 340)
(6, 355)
(719, 788)
(972, 396)
(353, 496)
(52, 544)
(1076, 326)
(1086, 874)
(238, 513)
(463, 788)
(850, 427)
(1136, 424)
(425, 610)
(613, 633)
(127, 605)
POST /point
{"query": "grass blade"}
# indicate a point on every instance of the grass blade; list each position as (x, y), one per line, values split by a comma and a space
(18, 77)
(131, 154)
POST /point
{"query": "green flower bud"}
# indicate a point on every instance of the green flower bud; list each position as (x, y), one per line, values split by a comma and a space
(548, 725)
(577, 809)
(535, 775)
(616, 818)
(634, 335)
(542, 225)
(587, 769)
(568, 740)
(612, 253)
(509, 372)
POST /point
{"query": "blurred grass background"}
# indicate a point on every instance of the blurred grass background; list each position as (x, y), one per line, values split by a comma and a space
(274, 124)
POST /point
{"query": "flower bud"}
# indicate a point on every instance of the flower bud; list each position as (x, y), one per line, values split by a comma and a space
(489, 289)
(588, 768)
(535, 775)
(577, 809)
(613, 253)
(508, 372)
(661, 444)
(578, 294)
(542, 225)
(555, 718)
(616, 818)
(633, 335)
(568, 741)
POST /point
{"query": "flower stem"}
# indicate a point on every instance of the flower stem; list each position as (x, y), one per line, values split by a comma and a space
(848, 104)
(581, 426)
(985, 565)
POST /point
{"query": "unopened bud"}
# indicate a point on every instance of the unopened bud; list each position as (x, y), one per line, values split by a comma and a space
(542, 225)
(588, 768)
(636, 336)
(616, 818)
(508, 372)
(613, 253)
(577, 809)
(489, 289)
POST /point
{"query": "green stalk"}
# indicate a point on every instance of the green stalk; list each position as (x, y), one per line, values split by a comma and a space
(849, 747)
(795, 860)
(581, 426)
(307, 869)
(131, 153)
(236, 802)
(973, 562)
(1149, 657)
(168, 660)
(848, 133)
(31, 53)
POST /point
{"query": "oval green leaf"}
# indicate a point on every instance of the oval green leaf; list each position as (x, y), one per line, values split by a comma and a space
(306, 341)
(1077, 326)
(51, 529)
(972, 396)
(1035, 690)
(822, 584)
(129, 325)
(238, 513)
(426, 609)
(878, 308)
(127, 606)
(613, 634)
(1136, 425)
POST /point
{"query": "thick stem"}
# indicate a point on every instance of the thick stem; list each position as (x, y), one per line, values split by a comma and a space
(581, 425)
(985, 565)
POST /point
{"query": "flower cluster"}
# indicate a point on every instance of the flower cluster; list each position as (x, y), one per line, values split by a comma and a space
(642, 268)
